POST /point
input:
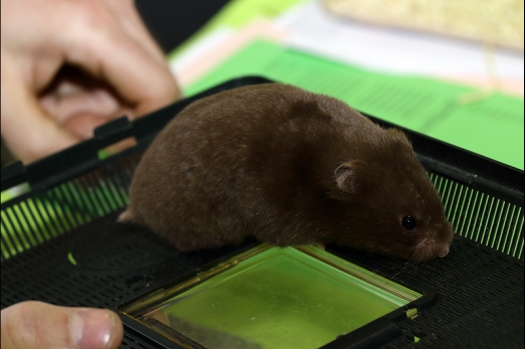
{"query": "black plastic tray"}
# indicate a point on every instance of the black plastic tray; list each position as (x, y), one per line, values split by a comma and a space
(76, 197)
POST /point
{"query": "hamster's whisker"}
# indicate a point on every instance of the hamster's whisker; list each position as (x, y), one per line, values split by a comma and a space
(404, 267)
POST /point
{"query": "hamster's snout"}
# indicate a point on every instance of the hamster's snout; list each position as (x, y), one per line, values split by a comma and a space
(429, 249)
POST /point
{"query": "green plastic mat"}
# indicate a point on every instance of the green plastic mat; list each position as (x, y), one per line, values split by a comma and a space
(491, 126)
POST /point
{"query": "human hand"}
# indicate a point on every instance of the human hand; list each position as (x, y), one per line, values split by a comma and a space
(37, 325)
(70, 66)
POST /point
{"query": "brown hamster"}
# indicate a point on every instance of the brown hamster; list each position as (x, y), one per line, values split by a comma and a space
(289, 167)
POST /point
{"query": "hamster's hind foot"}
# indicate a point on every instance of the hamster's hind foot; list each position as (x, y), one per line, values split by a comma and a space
(126, 216)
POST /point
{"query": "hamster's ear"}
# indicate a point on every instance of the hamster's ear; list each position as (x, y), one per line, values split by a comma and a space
(346, 176)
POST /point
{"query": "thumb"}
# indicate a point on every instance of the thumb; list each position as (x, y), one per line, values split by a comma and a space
(32, 325)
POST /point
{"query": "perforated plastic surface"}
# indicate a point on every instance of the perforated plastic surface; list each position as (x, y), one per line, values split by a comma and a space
(481, 303)
(60, 244)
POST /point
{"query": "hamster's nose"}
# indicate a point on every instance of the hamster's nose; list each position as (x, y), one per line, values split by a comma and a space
(443, 252)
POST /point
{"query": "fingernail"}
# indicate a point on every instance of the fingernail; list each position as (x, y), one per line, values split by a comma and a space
(92, 328)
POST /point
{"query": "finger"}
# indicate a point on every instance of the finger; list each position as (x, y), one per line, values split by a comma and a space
(126, 13)
(37, 325)
(128, 68)
(96, 101)
(81, 110)
(26, 130)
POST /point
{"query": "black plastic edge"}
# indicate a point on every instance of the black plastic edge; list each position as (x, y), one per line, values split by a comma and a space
(13, 174)
(146, 334)
(113, 131)
(377, 333)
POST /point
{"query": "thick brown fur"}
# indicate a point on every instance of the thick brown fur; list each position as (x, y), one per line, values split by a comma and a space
(291, 168)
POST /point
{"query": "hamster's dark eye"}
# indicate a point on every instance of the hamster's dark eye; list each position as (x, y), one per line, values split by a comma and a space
(409, 222)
